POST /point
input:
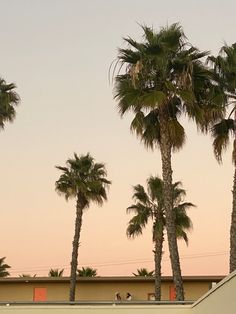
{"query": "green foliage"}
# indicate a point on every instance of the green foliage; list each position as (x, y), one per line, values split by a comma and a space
(221, 133)
(164, 77)
(55, 272)
(150, 206)
(225, 68)
(3, 268)
(144, 272)
(27, 276)
(225, 72)
(9, 99)
(83, 178)
(87, 272)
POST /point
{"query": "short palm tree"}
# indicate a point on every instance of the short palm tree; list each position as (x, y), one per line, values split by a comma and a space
(3, 268)
(150, 206)
(87, 272)
(9, 99)
(144, 273)
(165, 78)
(225, 70)
(55, 272)
(84, 180)
(27, 275)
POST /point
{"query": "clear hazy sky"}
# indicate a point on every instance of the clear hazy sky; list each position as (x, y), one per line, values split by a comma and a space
(58, 53)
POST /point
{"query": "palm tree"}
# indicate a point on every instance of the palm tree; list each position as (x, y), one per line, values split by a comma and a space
(84, 180)
(3, 268)
(87, 272)
(27, 275)
(55, 272)
(164, 79)
(144, 273)
(225, 71)
(150, 206)
(9, 99)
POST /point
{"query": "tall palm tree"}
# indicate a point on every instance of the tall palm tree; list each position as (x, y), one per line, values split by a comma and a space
(9, 99)
(3, 268)
(165, 78)
(144, 273)
(87, 272)
(55, 272)
(84, 180)
(150, 206)
(225, 70)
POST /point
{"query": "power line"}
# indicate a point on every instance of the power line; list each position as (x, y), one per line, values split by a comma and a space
(122, 262)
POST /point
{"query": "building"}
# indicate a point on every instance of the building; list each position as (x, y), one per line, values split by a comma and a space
(100, 288)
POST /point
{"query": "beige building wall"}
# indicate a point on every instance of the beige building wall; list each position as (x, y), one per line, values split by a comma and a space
(219, 300)
(96, 290)
(194, 290)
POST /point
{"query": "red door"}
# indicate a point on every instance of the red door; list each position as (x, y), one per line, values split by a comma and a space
(172, 293)
(40, 294)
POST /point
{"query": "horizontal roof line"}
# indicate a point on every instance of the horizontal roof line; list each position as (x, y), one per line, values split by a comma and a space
(111, 278)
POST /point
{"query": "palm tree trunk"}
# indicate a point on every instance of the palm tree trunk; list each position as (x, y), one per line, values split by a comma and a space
(158, 257)
(75, 244)
(165, 148)
(232, 265)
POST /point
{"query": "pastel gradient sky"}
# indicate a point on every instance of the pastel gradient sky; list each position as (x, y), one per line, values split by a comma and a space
(58, 52)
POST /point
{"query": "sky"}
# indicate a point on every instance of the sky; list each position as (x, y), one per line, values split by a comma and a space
(58, 53)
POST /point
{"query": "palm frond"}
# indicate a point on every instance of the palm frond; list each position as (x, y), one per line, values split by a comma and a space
(234, 152)
(140, 194)
(221, 135)
(177, 134)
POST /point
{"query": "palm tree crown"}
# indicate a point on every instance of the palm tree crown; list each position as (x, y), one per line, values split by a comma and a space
(9, 99)
(27, 275)
(87, 272)
(55, 272)
(83, 178)
(3, 268)
(165, 77)
(144, 272)
(225, 71)
(149, 204)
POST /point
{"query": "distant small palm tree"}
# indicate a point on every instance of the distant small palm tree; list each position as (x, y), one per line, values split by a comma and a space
(8, 100)
(3, 268)
(55, 272)
(144, 272)
(27, 275)
(87, 272)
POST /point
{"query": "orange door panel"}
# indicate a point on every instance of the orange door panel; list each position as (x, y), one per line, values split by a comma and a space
(40, 294)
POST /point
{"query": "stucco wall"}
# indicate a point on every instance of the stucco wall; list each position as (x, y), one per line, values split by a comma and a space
(96, 291)
(220, 300)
